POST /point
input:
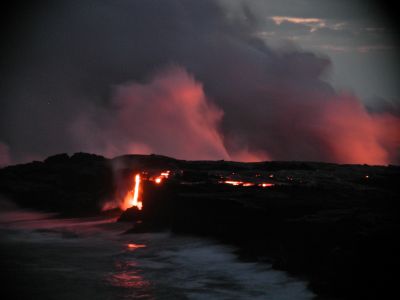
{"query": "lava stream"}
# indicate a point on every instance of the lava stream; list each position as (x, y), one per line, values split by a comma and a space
(132, 198)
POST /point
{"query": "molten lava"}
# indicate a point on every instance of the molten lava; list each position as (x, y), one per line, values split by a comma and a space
(165, 174)
(266, 184)
(136, 246)
(233, 182)
(246, 184)
(159, 179)
(132, 198)
(135, 201)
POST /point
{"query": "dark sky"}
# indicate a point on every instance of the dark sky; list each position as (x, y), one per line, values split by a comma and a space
(211, 79)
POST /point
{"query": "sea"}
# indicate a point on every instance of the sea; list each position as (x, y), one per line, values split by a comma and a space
(47, 257)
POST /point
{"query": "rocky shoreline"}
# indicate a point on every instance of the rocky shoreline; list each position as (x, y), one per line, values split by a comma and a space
(336, 225)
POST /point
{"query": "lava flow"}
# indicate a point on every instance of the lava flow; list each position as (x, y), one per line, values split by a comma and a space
(233, 182)
(246, 184)
(132, 197)
(159, 179)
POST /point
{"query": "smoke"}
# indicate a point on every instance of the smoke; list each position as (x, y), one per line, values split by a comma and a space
(172, 114)
(355, 136)
(98, 77)
(169, 114)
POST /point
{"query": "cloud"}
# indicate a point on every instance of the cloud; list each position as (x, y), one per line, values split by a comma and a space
(312, 23)
(169, 115)
(369, 48)
(96, 76)
(358, 49)
(355, 136)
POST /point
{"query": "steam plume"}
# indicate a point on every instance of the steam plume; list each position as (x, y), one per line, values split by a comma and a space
(169, 115)
(84, 86)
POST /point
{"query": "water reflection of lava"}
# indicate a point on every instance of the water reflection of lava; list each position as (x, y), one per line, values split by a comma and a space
(129, 279)
(128, 275)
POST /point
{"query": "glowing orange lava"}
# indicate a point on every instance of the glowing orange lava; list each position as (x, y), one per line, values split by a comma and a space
(132, 197)
(159, 179)
(246, 184)
(165, 174)
(266, 184)
(136, 246)
(232, 182)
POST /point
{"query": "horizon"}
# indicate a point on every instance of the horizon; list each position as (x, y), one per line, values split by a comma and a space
(71, 154)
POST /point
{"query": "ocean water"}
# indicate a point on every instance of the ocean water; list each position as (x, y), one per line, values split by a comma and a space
(91, 258)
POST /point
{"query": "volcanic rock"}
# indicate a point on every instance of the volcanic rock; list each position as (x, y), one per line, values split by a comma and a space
(335, 225)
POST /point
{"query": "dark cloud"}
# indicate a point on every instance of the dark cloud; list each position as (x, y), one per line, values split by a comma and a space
(379, 105)
(356, 10)
(63, 89)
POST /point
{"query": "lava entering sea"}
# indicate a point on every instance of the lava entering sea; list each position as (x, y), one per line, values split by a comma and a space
(133, 197)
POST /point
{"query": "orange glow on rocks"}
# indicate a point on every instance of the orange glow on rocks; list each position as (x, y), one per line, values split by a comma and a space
(132, 197)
